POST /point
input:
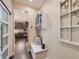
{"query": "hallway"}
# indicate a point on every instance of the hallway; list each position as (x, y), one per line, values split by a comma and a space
(21, 50)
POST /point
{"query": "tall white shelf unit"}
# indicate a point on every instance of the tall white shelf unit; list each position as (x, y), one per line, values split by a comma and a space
(69, 22)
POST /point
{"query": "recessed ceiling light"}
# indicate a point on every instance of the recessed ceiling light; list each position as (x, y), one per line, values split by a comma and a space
(25, 11)
(30, 0)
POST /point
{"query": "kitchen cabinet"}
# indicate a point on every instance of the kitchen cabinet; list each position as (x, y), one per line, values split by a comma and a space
(37, 52)
(41, 21)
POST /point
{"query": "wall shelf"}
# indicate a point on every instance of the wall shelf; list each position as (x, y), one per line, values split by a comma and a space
(19, 31)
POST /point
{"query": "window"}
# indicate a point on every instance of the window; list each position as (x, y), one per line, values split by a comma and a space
(69, 21)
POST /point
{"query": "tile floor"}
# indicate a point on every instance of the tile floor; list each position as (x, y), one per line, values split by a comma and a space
(21, 50)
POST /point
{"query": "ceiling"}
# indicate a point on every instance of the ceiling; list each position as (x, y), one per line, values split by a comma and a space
(21, 15)
(35, 3)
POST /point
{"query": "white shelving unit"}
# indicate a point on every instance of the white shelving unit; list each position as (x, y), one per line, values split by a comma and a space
(69, 22)
(19, 31)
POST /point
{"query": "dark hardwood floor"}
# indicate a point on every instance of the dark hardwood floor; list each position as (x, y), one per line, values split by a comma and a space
(21, 50)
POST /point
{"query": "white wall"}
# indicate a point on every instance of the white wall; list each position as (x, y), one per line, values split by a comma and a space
(56, 49)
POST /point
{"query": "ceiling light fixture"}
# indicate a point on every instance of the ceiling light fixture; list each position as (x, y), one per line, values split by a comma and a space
(30, 0)
(25, 11)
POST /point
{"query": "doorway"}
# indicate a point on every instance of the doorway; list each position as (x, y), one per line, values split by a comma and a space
(21, 31)
(21, 40)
